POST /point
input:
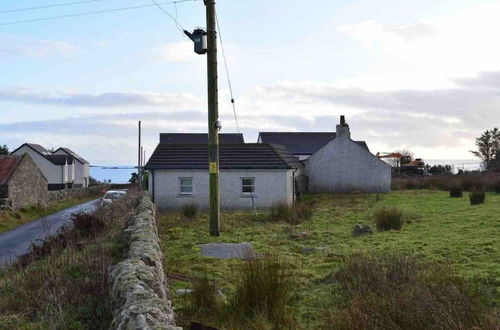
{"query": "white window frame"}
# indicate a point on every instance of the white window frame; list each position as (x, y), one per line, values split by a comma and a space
(246, 185)
(185, 185)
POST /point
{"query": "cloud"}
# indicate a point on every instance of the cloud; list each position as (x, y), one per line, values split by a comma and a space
(176, 52)
(14, 46)
(118, 99)
(374, 31)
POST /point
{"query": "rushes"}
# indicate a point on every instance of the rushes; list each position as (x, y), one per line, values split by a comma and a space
(388, 218)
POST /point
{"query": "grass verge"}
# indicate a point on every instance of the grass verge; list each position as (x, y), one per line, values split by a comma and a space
(12, 219)
(63, 284)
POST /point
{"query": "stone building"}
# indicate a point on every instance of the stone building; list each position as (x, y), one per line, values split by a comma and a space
(344, 165)
(22, 184)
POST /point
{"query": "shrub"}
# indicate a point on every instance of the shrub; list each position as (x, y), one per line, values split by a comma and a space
(477, 197)
(88, 224)
(496, 187)
(456, 192)
(401, 292)
(388, 218)
(292, 214)
(204, 303)
(190, 211)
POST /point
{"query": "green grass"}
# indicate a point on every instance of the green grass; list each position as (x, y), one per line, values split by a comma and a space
(437, 229)
(12, 219)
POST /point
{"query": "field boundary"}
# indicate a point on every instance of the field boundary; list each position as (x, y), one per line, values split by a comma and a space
(138, 284)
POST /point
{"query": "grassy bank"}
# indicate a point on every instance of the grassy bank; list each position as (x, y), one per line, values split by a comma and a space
(63, 284)
(437, 230)
(12, 219)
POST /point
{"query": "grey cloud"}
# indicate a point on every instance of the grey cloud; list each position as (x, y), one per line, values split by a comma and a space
(483, 80)
(124, 99)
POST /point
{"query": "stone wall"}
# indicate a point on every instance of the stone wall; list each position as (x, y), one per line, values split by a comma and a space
(27, 186)
(59, 195)
(138, 285)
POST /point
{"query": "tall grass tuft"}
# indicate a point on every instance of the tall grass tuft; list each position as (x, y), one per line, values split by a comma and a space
(292, 214)
(456, 192)
(189, 211)
(388, 218)
(264, 289)
(477, 197)
(394, 291)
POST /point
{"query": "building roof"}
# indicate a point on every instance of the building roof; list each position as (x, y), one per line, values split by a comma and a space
(199, 138)
(74, 154)
(231, 156)
(54, 159)
(301, 143)
(8, 165)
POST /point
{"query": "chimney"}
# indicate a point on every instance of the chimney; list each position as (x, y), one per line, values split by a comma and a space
(343, 129)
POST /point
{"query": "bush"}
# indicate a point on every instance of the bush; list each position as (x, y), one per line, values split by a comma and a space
(292, 214)
(189, 211)
(401, 292)
(388, 218)
(456, 192)
(496, 187)
(88, 224)
(477, 197)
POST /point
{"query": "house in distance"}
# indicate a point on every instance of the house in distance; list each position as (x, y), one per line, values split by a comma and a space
(261, 174)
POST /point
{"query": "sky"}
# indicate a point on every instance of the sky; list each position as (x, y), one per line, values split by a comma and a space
(417, 75)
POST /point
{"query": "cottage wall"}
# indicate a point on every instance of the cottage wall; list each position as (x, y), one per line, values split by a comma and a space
(344, 166)
(27, 186)
(271, 186)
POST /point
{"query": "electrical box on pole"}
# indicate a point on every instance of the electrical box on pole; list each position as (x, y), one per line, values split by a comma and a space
(199, 37)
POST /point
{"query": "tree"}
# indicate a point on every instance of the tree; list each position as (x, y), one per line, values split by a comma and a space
(4, 150)
(488, 149)
(133, 178)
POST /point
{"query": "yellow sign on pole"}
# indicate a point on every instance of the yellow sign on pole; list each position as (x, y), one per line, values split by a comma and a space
(213, 167)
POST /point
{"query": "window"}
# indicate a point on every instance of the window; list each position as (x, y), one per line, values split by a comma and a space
(186, 186)
(247, 185)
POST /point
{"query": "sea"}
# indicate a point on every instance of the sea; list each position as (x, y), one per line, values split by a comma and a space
(122, 173)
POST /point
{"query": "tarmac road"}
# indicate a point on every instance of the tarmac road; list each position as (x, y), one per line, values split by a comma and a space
(16, 242)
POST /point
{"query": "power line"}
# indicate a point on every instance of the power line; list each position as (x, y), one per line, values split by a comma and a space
(227, 73)
(47, 6)
(90, 13)
(172, 17)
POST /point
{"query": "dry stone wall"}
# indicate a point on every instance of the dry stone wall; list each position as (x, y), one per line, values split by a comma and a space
(138, 284)
(59, 195)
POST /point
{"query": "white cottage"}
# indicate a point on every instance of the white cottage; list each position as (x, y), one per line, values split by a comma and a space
(81, 167)
(251, 175)
(343, 165)
(58, 169)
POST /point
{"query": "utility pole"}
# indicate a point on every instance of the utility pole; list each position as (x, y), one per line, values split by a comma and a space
(139, 159)
(213, 120)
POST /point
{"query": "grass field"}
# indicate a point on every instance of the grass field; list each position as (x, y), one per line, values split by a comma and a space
(437, 228)
(12, 219)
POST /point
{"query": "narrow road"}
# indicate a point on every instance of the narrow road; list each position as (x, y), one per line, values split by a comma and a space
(16, 242)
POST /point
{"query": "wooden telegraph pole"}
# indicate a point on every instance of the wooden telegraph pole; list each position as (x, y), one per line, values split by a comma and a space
(213, 119)
(139, 159)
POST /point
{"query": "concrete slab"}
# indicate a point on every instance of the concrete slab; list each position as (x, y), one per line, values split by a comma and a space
(228, 250)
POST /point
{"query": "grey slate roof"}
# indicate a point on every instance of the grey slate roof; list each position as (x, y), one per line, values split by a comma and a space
(199, 138)
(39, 148)
(301, 143)
(74, 154)
(231, 156)
(54, 159)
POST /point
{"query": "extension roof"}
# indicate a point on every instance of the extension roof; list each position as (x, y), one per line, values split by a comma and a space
(231, 156)
(54, 159)
(301, 143)
(74, 154)
(199, 138)
(8, 165)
